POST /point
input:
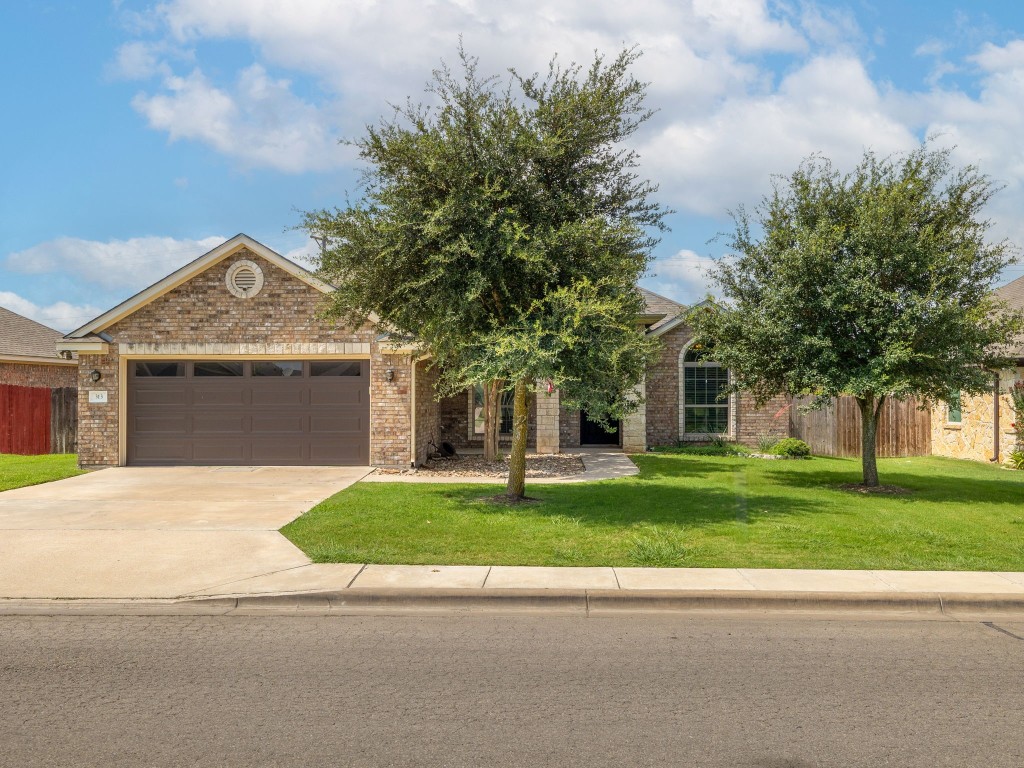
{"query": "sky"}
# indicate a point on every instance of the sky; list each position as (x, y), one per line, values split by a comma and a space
(139, 135)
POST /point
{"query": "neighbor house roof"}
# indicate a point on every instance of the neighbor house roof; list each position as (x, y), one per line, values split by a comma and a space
(26, 341)
(88, 332)
(1013, 294)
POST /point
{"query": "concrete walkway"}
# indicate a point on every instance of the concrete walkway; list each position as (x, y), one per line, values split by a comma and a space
(335, 577)
(598, 464)
(156, 532)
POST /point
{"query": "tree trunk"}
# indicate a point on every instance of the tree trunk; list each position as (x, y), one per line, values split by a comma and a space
(870, 410)
(516, 487)
(492, 419)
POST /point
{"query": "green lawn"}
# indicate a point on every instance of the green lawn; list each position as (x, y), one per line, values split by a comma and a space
(18, 471)
(684, 510)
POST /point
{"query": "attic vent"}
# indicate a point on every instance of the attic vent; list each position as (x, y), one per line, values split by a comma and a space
(244, 279)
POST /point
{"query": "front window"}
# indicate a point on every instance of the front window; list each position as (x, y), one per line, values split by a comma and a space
(705, 404)
(507, 409)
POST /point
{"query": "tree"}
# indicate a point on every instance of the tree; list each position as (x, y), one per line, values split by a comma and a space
(875, 284)
(505, 229)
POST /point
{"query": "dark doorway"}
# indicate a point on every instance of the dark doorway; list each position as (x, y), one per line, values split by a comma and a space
(592, 433)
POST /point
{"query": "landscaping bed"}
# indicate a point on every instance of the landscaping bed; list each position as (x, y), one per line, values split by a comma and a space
(686, 510)
(537, 465)
(19, 471)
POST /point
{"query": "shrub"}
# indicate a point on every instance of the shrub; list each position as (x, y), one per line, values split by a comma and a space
(766, 443)
(1016, 459)
(714, 448)
(791, 446)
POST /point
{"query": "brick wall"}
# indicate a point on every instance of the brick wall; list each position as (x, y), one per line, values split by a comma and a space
(202, 310)
(32, 375)
(454, 415)
(772, 420)
(568, 428)
(390, 411)
(662, 388)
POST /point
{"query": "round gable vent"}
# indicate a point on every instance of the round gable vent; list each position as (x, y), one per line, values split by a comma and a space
(245, 279)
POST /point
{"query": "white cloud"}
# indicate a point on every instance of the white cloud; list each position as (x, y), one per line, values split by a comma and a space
(61, 315)
(830, 105)
(683, 277)
(261, 123)
(115, 265)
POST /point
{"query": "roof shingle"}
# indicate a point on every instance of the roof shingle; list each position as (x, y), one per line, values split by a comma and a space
(22, 337)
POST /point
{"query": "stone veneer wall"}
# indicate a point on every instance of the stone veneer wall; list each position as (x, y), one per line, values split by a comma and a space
(202, 310)
(428, 413)
(38, 375)
(972, 438)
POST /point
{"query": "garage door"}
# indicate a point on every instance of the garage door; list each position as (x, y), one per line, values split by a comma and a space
(267, 412)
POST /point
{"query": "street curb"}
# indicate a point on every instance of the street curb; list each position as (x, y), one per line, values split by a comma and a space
(566, 602)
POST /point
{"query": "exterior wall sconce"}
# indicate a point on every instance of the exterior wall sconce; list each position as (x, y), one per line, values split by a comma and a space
(95, 375)
(389, 374)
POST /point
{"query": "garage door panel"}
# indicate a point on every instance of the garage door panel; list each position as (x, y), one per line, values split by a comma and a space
(320, 423)
(342, 395)
(164, 450)
(281, 450)
(157, 395)
(290, 394)
(217, 395)
(155, 425)
(218, 424)
(270, 423)
(220, 451)
(248, 419)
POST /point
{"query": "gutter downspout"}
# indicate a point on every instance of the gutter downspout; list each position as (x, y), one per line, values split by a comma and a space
(995, 420)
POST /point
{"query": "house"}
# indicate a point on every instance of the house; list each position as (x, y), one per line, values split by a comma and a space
(227, 361)
(980, 427)
(36, 386)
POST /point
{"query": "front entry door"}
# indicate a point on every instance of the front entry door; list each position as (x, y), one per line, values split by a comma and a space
(592, 433)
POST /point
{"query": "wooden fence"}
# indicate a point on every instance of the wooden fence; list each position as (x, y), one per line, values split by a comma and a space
(903, 429)
(36, 420)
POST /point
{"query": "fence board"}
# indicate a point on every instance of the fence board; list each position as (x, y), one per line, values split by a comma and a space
(835, 430)
(63, 420)
(24, 420)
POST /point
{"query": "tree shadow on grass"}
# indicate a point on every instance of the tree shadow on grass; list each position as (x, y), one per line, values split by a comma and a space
(934, 487)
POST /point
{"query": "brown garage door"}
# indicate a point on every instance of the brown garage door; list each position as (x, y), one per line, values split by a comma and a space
(249, 412)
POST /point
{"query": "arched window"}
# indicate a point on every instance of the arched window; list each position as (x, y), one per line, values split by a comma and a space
(705, 407)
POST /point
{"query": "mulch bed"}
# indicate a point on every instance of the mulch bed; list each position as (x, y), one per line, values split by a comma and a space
(558, 465)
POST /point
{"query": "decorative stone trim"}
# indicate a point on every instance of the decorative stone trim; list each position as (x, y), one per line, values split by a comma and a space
(547, 419)
(634, 425)
(244, 279)
(293, 349)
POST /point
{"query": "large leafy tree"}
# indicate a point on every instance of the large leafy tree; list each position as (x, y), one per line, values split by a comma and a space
(874, 283)
(504, 227)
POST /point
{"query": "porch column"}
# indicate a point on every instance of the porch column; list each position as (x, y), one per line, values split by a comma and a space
(634, 426)
(547, 420)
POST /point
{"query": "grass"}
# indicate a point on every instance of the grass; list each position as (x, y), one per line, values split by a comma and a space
(19, 471)
(691, 510)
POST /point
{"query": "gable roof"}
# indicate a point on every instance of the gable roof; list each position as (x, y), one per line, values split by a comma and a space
(190, 270)
(1013, 294)
(24, 340)
(655, 304)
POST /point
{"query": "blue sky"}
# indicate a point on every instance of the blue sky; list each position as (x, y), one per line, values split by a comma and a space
(138, 135)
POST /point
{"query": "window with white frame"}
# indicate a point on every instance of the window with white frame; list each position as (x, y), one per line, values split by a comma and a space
(705, 404)
(954, 409)
(507, 408)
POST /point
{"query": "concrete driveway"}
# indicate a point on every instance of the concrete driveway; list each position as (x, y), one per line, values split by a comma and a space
(156, 532)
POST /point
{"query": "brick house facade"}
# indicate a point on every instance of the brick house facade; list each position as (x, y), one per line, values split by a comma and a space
(243, 305)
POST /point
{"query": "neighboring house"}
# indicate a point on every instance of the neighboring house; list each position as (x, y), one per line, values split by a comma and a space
(35, 387)
(980, 427)
(227, 361)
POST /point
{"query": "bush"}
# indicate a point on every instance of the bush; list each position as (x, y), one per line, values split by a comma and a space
(714, 448)
(791, 446)
(1016, 459)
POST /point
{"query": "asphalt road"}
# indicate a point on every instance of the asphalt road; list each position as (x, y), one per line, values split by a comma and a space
(508, 691)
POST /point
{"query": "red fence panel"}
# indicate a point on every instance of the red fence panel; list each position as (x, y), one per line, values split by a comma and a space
(24, 420)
